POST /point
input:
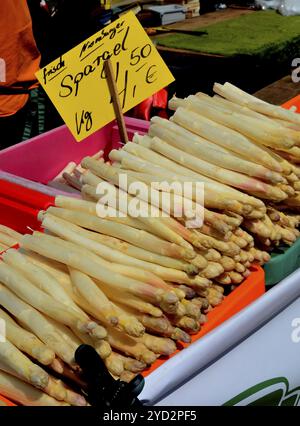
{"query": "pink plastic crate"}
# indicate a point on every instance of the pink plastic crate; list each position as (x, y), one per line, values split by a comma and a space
(40, 159)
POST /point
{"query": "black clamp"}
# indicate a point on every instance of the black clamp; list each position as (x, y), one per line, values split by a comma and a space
(103, 390)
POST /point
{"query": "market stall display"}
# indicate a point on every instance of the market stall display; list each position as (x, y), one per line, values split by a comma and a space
(133, 287)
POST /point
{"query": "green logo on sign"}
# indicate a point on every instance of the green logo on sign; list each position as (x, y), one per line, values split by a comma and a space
(275, 392)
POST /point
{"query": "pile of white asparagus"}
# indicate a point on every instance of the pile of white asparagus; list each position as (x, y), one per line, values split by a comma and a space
(134, 286)
(76, 284)
(244, 150)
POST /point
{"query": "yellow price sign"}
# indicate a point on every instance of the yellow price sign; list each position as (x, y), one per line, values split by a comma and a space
(76, 82)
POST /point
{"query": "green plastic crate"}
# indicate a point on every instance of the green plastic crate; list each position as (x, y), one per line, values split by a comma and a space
(284, 261)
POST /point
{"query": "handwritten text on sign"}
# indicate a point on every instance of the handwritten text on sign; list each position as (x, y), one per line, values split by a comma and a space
(76, 82)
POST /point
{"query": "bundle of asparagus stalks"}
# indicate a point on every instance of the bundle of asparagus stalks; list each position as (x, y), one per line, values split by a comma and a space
(76, 284)
(256, 149)
(244, 150)
(133, 286)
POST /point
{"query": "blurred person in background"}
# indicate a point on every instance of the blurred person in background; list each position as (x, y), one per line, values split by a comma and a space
(20, 60)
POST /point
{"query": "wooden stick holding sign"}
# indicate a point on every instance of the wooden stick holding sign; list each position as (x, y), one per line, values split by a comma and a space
(116, 100)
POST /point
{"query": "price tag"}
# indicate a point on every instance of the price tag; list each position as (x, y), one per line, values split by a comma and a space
(76, 82)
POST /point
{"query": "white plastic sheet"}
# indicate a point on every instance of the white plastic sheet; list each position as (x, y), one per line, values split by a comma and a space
(269, 4)
(289, 7)
(285, 7)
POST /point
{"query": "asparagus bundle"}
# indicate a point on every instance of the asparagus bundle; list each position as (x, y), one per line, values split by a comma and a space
(245, 151)
(62, 275)
(133, 285)
(220, 235)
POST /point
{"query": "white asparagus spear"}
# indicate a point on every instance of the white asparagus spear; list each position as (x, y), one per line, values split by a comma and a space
(13, 358)
(129, 323)
(161, 325)
(62, 277)
(130, 364)
(152, 204)
(188, 324)
(129, 346)
(88, 263)
(229, 198)
(161, 126)
(72, 181)
(65, 281)
(114, 364)
(224, 136)
(37, 323)
(7, 240)
(48, 264)
(90, 207)
(224, 192)
(3, 247)
(131, 301)
(228, 107)
(226, 176)
(150, 279)
(54, 388)
(159, 345)
(39, 277)
(242, 109)
(228, 248)
(217, 220)
(70, 203)
(158, 226)
(177, 204)
(26, 341)
(42, 301)
(72, 233)
(266, 133)
(10, 232)
(170, 226)
(66, 333)
(142, 254)
(69, 168)
(95, 297)
(226, 160)
(102, 347)
(27, 395)
(136, 237)
(71, 397)
(136, 273)
(242, 98)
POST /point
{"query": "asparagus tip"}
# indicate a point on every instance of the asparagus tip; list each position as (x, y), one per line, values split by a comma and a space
(148, 357)
(78, 401)
(135, 365)
(191, 269)
(170, 298)
(134, 328)
(113, 320)
(39, 379)
(181, 335)
(96, 331)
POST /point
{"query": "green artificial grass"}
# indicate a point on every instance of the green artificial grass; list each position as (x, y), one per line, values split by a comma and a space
(261, 34)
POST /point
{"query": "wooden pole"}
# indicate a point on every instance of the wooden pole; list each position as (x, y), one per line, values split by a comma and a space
(116, 100)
